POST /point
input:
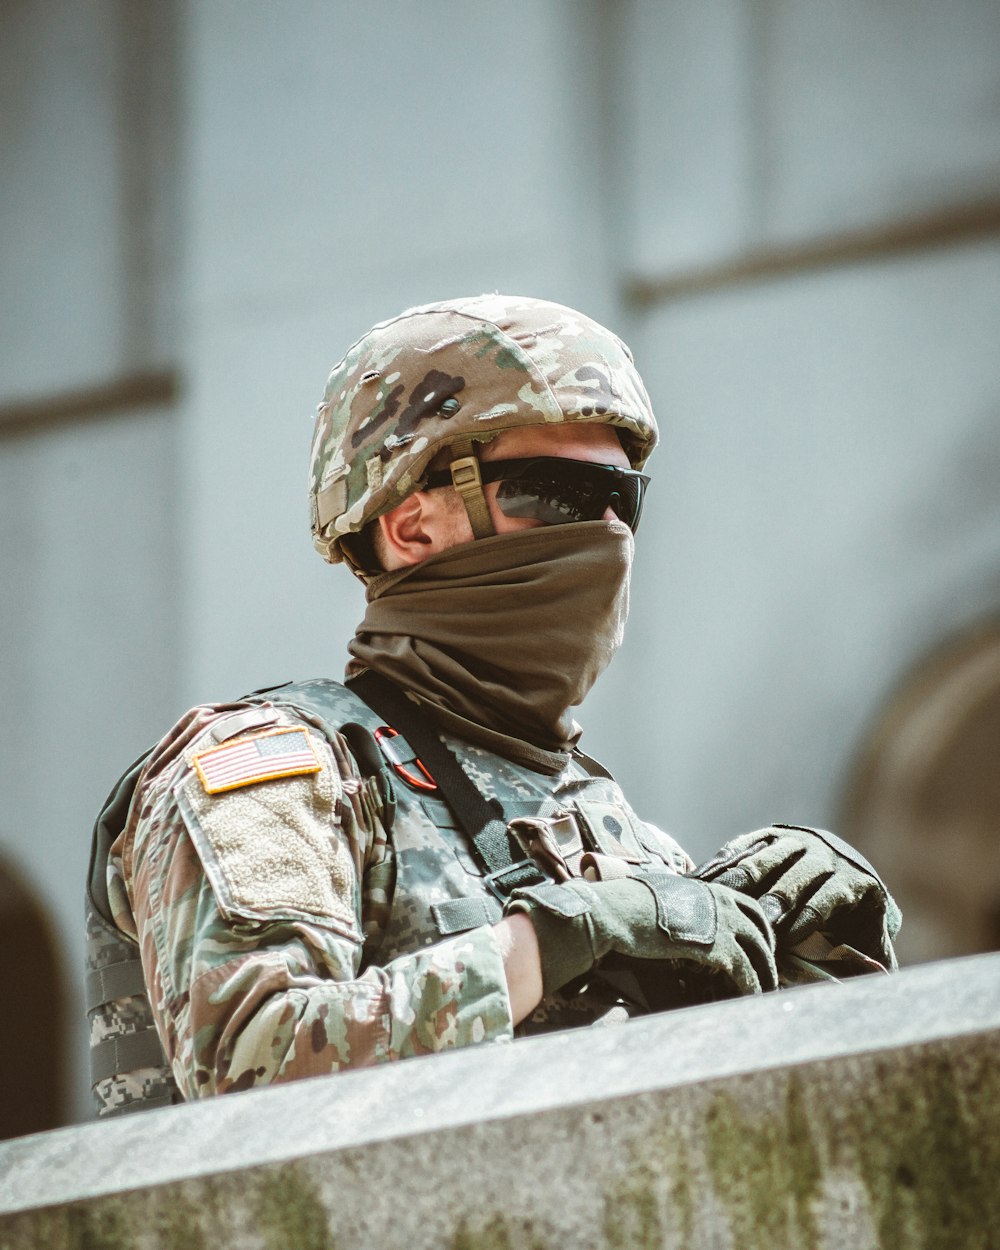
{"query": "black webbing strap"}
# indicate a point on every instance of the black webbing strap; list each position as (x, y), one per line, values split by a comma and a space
(482, 820)
(120, 980)
(125, 1052)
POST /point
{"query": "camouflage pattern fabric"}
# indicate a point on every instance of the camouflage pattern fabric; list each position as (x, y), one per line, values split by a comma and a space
(284, 932)
(117, 1022)
(467, 368)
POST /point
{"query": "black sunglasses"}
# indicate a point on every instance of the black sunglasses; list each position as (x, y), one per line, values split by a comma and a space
(557, 491)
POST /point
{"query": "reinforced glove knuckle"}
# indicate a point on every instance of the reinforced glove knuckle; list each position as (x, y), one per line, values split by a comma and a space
(686, 909)
(774, 906)
(734, 879)
(807, 921)
(839, 847)
(723, 865)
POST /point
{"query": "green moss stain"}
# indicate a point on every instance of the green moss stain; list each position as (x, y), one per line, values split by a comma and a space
(28, 1229)
(495, 1232)
(469, 1236)
(100, 1226)
(166, 1219)
(632, 1217)
(766, 1170)
(682, 1194)
(929, 1149)
(651, 1197)
(919, 1131)
(290, 1212)
(912, 1138)
(180, 1223)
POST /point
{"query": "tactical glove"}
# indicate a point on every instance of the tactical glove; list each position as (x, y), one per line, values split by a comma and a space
(658, 916)
(809, 880)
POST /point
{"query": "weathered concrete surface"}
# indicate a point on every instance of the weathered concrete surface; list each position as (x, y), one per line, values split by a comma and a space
(854, 1116)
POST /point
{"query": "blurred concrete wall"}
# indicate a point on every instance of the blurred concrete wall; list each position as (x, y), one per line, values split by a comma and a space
(826, 504)
(204, 204)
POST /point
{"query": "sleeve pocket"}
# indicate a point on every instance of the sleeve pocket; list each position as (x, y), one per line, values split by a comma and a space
(274, 850)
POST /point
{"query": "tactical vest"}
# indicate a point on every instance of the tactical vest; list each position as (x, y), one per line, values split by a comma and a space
(441, 886)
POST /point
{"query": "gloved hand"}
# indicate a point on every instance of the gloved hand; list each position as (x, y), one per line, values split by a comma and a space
(809, 880)
(659, 916)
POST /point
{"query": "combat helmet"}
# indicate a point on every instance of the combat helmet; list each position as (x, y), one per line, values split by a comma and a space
(448, 376)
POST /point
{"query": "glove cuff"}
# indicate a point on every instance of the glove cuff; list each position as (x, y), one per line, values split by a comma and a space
(560, 916)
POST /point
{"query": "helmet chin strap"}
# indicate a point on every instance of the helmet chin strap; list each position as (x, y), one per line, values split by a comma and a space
(467, 480)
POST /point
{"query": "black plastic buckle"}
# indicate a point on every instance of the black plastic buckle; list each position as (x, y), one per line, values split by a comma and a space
(520, 871)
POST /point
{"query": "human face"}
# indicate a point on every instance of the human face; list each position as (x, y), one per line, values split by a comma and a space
(595, 444)
(432, 521)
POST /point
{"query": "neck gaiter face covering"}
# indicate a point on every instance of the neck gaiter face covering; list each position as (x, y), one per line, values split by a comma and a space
(499, 638)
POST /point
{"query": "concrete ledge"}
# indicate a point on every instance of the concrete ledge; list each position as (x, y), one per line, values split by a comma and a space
(859, 1115)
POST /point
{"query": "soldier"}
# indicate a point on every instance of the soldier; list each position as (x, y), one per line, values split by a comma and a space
(322, 875)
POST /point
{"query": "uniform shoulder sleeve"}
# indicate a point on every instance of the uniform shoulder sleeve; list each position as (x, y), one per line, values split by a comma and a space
(263, 811)
(244, 867)
(266, 802)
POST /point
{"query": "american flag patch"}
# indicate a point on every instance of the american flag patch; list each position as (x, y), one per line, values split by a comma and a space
(263, 757)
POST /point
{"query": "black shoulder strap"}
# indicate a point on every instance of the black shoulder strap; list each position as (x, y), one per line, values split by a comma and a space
(481, 820)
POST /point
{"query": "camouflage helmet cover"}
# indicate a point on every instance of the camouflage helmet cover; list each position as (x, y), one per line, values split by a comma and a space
(466, 368)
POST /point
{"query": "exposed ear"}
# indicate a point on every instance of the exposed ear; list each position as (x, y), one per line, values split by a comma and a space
(405, 535)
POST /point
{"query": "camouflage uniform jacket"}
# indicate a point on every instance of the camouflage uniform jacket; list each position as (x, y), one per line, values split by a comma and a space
(288, 928)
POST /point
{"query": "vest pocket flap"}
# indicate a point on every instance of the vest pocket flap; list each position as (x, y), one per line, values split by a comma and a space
(611, 831)
(274, 851)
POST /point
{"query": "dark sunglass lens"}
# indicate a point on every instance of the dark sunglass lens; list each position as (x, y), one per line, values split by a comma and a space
(627, 501)
(544, 497)
(557, 492)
